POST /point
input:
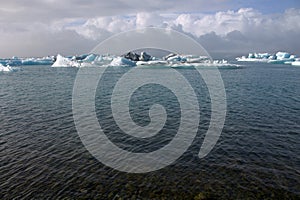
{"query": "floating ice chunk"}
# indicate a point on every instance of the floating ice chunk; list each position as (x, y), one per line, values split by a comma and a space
(152, 62)
(197, 59)
(65, 62)
(15, 61)
(90, 58)
(120, 61)
(5, 68)
(132, 56)
(244, 59)
(282, 55)
(282, 58)
(175, 58)
(168, 56)
(296, 63)
(103, 60)
(259, 55)
(278, 58)
(217, 64)
(38, 61)
(263, 55)
(220, 62)
(144, 56)
(11, 61)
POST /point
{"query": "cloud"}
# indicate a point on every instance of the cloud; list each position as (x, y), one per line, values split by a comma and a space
(148, 19)
(52, 26)
(49, 10)
(245, 29)
(249, 30)
(37, 40)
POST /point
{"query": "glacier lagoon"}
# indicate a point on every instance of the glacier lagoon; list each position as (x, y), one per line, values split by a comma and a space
(257, 155)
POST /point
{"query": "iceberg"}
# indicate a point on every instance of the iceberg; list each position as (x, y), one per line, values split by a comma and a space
(5, 68)
(152, 62)
(255, 57)
(136, 57)
(15, 61)
(65, 62)
(282, 58)
(120, 61)
(296, 62)
(278, 58)
(145, 57)
(38, 61)
(222, 64)
(90, 58)
(199, 59)
(181, 60)
(132, 56)
(130, 59)
(175, 58)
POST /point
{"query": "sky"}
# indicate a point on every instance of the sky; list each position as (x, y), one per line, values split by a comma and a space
(71, 27)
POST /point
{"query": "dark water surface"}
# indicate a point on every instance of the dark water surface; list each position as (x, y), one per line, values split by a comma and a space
(256, 157)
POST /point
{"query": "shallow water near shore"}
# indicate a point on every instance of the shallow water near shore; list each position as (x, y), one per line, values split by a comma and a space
(256, 157)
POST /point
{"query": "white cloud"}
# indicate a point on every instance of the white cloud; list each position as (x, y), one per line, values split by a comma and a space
(221, 23)
(148, 19)
(94, 28)
(245, 23)
(246, 20)
(244, 28)
(49, 10)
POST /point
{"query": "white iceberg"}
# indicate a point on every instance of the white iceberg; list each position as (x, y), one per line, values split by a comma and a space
(145, 57)
(120, 61)
(222, 64)
(38, 61)
(175, 58)
(255, 57)
(90, 58)
(152, 62)
(14, 61)
(5, 68)
(296, 62)
(65, 62)
(278, 58)
(282, 58)
(130, 59)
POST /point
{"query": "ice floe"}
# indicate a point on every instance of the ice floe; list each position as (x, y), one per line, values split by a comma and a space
(120, 61)
(296, 62)
(130, 59)
(65, 62)
(133, 59)
(5, 68)
(16, 61)
(277, 58)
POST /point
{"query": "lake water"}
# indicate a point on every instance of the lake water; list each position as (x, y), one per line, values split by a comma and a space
(257, 155)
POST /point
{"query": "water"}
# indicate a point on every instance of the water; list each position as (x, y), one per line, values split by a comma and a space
(256, 157)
